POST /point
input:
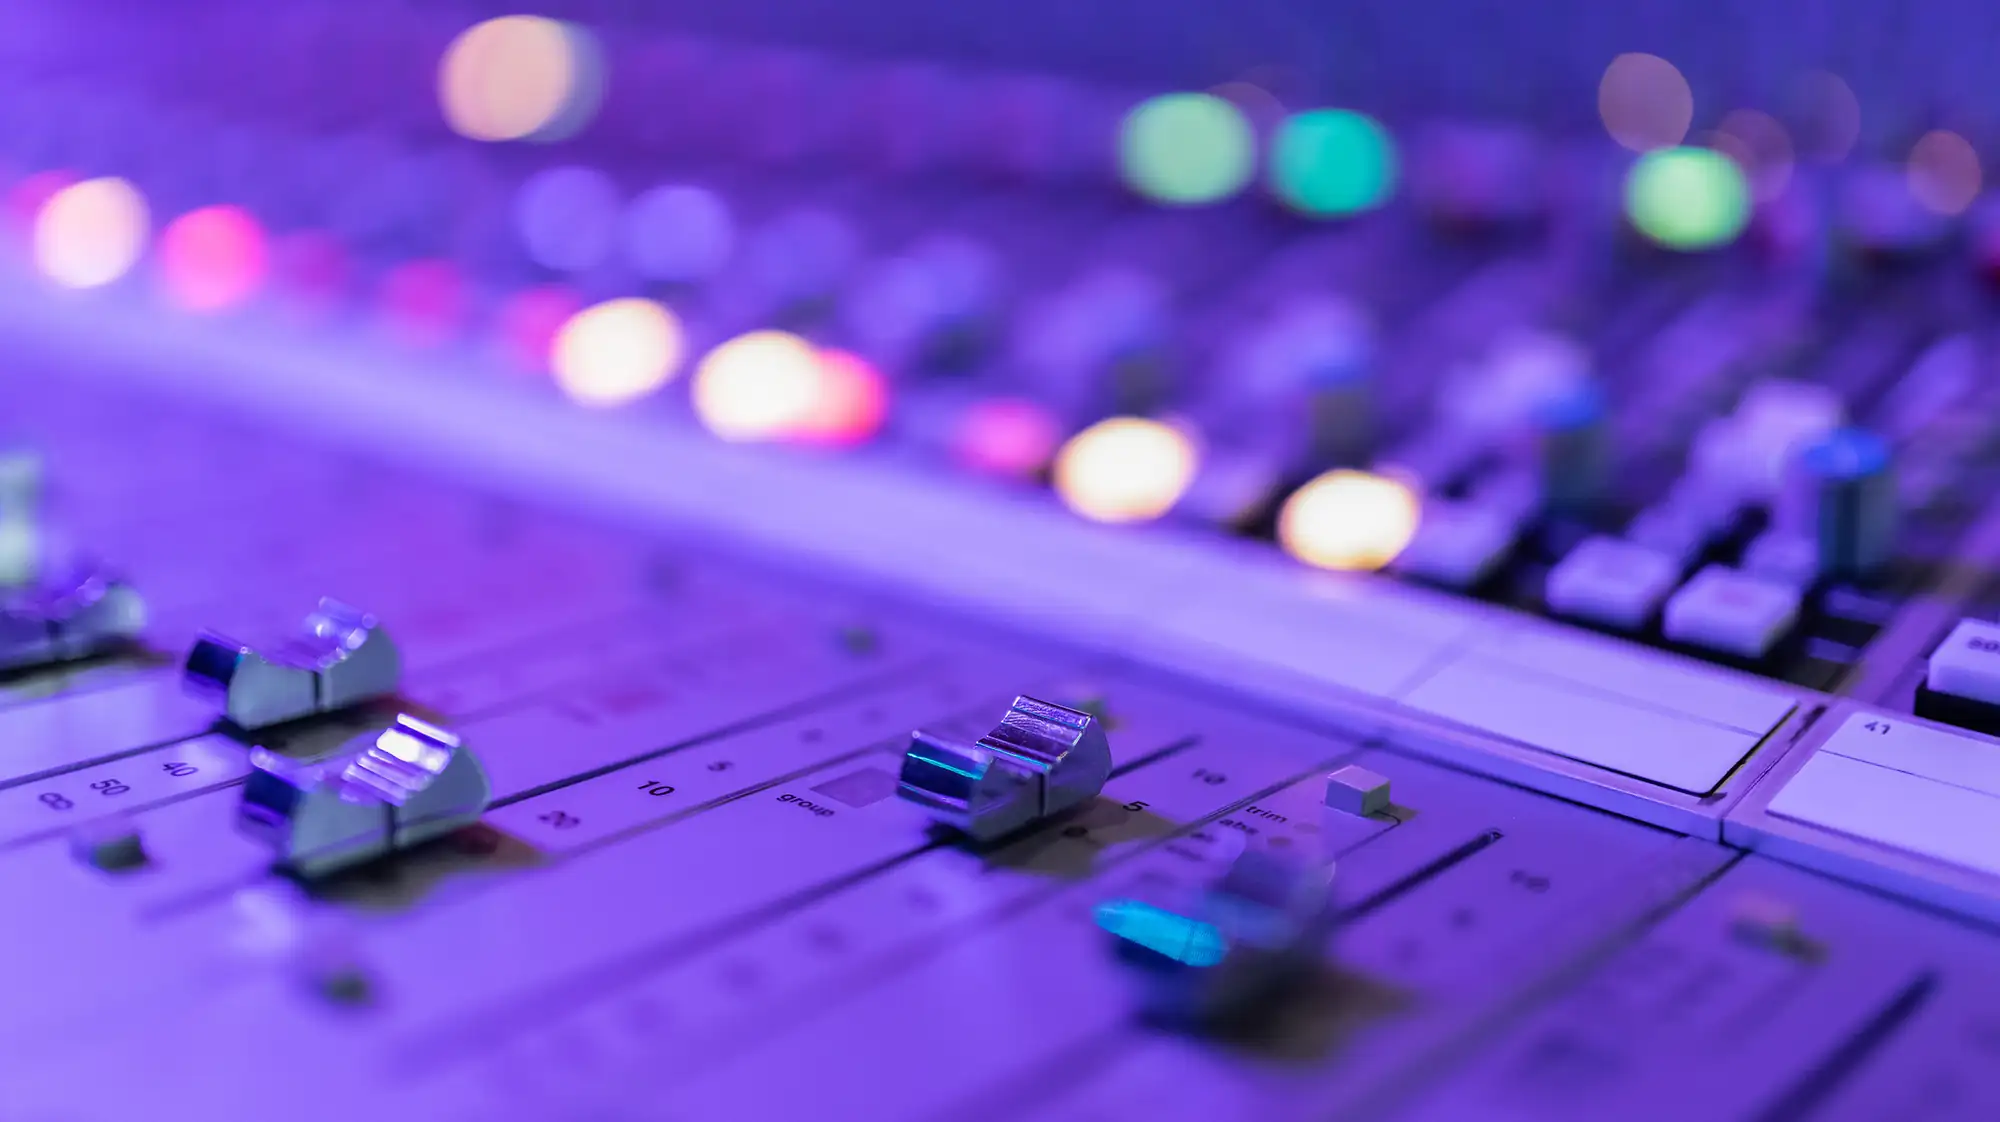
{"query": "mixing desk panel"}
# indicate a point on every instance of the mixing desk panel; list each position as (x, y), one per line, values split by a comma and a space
(557, 567)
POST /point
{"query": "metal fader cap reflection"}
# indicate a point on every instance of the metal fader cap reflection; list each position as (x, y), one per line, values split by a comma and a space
(75, 614)
(379, 793)
(1040, 761)
(342, 658)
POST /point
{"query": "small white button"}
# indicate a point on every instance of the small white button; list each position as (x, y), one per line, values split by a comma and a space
(1728, 610)
(1967, 663)
(1613, 582)
(1458, 544)
(1786, 558)
(1356, 790)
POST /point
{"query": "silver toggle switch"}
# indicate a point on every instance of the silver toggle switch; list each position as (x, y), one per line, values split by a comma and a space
(1258, 929)
(378, 793)
(1041, 760)
(80, 613)
(342, 658)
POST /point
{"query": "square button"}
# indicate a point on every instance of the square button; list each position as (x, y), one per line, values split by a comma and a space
(1458, 544)
(1728, 610)
(1609, 581)
(1967, 663)
(1356, 790)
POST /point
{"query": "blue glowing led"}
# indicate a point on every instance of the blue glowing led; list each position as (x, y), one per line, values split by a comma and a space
(1577, 407)
(1184, 940)
(1848, 453)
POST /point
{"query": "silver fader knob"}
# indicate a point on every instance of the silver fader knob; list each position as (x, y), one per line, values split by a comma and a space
(379, 793)
(1259, 930)
(81, 613)
(1042, 760)
(342, 658)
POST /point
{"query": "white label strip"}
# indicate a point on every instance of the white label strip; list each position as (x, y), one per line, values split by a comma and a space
(1906, 786)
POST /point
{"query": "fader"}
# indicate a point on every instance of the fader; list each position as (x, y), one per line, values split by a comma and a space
(341, 657)
(1039, 762)
(381, 792)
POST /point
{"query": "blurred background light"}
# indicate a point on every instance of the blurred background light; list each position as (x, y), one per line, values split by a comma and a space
(1944, 171)
(567, 218)
(764, 385)
(1644, 102)
(1259, 105)
(311, 270)
(677, 234)
(1348, 520)
(1687, 198)
(213, 259)
(1761, 146)
(1011, 437)
(423, 302)
(520, 78)
(1186, 149)
(1332, 162)
(1826, 117)
(851, 403)
(1125, 469)
(616, 352)
(26, 199)
(528, 322)
(91, 233)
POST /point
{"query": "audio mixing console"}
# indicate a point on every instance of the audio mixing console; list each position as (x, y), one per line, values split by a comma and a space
(563, 570)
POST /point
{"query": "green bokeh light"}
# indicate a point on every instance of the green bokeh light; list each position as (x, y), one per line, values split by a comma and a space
(1687, 198)
(1327, 162)
(1186, 149)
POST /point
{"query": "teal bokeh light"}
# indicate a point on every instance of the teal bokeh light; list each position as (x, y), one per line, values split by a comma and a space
(1332, 162)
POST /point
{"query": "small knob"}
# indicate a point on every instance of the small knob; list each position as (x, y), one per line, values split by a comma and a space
(79, 613)
(112, 844)
(1255, 932)
(1772, 924)
(1572, 449)
(931, 309)
(1882, 218)
(792, 268)
(1844, 491)
(1487, 403)
(342, 658)
(678, 234)
(1100, 346)
(376, 794)
(1314, 362)
(1041, 760)
(1475, 176)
